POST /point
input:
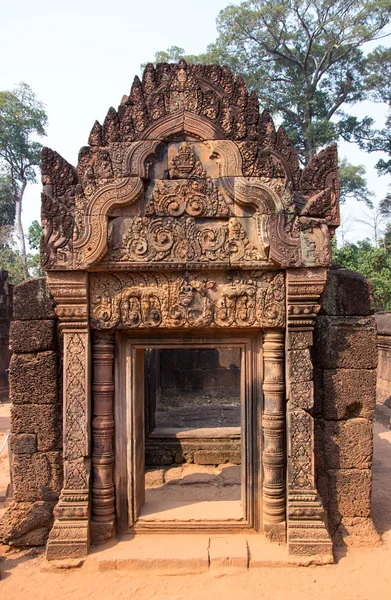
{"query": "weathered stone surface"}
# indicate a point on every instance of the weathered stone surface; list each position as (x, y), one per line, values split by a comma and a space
(356, 532)
(348, 393)
(33, 336)
(37, 477)
(43, 420)
(24, 443)
(37, 537)
(216, 457)
(347, 293)
(349, 493)
(348, 444)
(32, 300)
(25, 517)
(383, 323)
(33, 378)
(345, 342)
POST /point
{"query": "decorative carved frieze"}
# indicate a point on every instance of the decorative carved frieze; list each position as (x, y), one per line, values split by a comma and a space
(188, 300)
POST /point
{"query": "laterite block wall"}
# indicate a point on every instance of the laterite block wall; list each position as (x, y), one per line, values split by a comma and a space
(345, 359)
(36, 419)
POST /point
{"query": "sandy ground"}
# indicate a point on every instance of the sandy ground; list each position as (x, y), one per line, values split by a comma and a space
(359, 573)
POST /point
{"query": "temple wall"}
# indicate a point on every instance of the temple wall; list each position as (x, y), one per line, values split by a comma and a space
(383, 387)
(6, 293)
(36, 416)
(345, 360)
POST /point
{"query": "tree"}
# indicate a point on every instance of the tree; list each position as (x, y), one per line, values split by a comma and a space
(7, 205)
(373, 263)
(305, 60)
(352, 183)
(22, 119)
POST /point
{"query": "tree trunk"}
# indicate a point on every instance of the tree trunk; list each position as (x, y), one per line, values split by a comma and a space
(19, 229)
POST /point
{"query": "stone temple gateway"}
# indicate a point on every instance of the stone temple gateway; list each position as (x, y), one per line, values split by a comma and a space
(188, 223)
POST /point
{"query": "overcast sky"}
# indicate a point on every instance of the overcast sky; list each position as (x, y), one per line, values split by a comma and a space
(80, 58)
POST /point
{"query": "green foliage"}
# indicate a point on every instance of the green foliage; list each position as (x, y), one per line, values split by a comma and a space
(353, 184)
(378, 84)
(11, 258)
(303, 58)
(374, 264)
(22, 119)
(7, 205)
(34, 235)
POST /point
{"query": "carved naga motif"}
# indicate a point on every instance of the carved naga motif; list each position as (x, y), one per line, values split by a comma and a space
(150, 300)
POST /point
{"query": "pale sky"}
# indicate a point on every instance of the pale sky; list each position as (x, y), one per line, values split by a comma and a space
(80, 58)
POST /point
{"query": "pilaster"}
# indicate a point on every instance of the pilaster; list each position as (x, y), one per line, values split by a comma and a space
(307, 533)
(70, 535)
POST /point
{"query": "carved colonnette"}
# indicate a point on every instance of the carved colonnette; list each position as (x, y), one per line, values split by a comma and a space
(103, 518)
(70, 535)
(307, 533)
(273, 425)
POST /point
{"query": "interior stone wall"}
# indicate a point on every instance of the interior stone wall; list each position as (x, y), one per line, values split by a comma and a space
(345, 360)
(199, 381)
(383, 388)
(36, 416)
(6, 301)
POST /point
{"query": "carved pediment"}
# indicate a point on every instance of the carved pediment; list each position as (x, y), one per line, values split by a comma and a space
(187, 172)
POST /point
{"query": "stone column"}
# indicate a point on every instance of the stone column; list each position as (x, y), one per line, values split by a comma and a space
(103, 520)
(70, 535)
(273, 426)
(307, 533)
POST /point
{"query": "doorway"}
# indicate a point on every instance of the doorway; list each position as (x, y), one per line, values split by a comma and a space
(188, 413)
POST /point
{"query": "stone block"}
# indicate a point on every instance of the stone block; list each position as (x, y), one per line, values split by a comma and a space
(216, 457)
(384, 366)
(356, 532)
(349, 493)
(345, 342)
(33, 378)
(44, 420)
(347, 293)
(24, 443)
(349, 393)
(32, 300)
(228, 553)
(348, 444)
(37, 476)
(23, 518)
(33, 336)
(383, 323)
(37, 537)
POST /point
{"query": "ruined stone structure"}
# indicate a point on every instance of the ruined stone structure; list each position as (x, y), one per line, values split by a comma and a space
(6, 293)
(188, 223)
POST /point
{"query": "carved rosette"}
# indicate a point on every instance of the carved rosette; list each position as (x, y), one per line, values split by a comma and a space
(273, 427)
(69, 537)
(307, 534)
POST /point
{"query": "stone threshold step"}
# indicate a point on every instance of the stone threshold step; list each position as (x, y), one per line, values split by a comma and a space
(191, 554)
